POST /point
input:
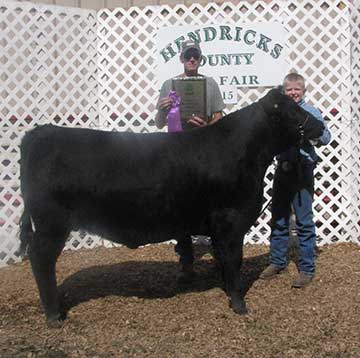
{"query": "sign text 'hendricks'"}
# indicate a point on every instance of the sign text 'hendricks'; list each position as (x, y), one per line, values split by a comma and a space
(249, 54)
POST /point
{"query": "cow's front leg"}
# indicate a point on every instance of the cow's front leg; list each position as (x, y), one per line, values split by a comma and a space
(43, 253)
(185, 250)
(227, 241)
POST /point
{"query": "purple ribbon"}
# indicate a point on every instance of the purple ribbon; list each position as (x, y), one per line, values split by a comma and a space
(173, 117)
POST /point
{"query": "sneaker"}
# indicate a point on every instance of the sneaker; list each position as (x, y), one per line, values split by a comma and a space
(270, 272)
(302, 280)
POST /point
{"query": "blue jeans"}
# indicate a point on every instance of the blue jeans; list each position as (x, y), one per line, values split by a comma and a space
(293, 188)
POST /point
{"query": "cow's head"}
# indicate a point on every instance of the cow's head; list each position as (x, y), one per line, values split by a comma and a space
(291, 123)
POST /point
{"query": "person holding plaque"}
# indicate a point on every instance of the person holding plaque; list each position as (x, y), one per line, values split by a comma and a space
(201, 103)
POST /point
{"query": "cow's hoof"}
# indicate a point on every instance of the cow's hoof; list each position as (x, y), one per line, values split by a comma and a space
(55, 321)
(239, 306)
(185, 277)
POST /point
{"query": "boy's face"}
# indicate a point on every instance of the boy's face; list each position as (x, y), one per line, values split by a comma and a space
(295, 90)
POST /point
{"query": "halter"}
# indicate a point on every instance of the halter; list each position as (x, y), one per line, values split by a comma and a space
(302, 131)
(299, 169)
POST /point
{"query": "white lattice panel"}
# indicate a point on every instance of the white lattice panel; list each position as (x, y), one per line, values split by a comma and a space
(318, 47)
(48, 75)
(97, 69)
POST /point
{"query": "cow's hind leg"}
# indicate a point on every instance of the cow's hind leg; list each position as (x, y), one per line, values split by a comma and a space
(44, 250)
(185, 250)
(228, 247)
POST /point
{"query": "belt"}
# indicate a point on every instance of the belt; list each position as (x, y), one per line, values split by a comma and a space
(287, 166)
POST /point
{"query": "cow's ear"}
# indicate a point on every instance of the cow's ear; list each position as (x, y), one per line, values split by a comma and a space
(280, 88)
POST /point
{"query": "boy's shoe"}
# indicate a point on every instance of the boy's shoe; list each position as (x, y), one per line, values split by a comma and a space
(302, 280)
(270, 272)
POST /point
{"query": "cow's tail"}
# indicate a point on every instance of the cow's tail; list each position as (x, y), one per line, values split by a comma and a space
(26, 233)
(26, 228)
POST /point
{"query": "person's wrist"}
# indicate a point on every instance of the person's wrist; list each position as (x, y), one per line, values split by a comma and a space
(163, 116)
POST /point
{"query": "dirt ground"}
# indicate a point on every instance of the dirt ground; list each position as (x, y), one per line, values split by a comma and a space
(126, 303)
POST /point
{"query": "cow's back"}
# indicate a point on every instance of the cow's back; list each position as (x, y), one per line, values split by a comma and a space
(124, 186)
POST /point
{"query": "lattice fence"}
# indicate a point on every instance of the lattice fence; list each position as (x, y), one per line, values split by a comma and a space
(48, 75)
(97, 69)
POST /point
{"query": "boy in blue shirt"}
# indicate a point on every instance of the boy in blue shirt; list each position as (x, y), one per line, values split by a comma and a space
(294, 188)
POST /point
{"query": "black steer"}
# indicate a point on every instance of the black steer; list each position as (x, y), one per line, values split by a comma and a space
(136, 189)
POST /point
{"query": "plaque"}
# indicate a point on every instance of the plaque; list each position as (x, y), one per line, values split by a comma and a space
(192, 92)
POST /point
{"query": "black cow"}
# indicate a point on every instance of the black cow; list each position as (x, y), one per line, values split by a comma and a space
(136, 189)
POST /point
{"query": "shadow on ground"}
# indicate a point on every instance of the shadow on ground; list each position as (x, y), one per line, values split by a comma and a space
(150, 279)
